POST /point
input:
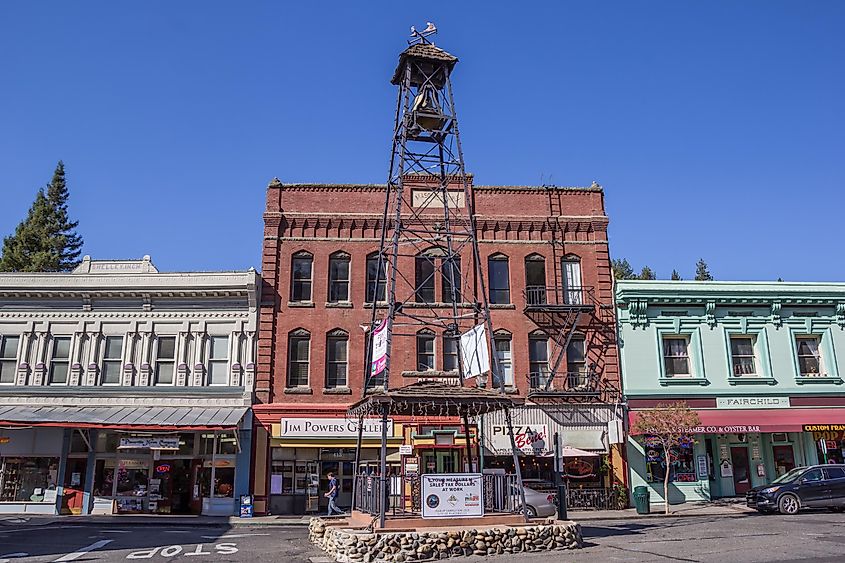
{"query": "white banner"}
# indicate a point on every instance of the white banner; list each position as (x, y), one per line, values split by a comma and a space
(531, 439)
(452, 495)
(379, 356)
(329, 428)
(149, 443)
(475, 352)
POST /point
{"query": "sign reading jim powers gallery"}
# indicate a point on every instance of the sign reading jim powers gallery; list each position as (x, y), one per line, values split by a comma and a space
(329, 428)
(452, 495)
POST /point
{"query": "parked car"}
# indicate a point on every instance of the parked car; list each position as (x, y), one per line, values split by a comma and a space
(539, 503)
(817, 486)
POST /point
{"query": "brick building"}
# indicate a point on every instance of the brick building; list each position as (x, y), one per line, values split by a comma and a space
(550, 285)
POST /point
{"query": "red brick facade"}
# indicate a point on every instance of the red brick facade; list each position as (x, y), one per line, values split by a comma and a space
(512, 221)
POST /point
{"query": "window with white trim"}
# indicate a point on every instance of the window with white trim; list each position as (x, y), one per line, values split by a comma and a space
(336, 359)
(8, 358)
(376, 279)
(339, 277)
(299, 358)
(111, 366)
(676, 356)
(504, 357)
(809, 356)
(450, 353)
(499, 279)
(59, 360)
(300, 287)
(165, 360)
(743, 361)
(425, 351)
(538, 360)
(218, 360)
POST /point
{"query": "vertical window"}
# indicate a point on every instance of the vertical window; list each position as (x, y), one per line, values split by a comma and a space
(60, 361)
(451, 270)
(424, 279)
(538, 360)
(376, 279)
(503, 355)
(299, 354)
(165, 364)
(336, 360)
(498, 272)
(450, 353)
(8, 358)
(218, 360)
(742, 356)
(573, 291)
(300, 289)
(425, 351)
(112, 365)
(576, 362)
(338, 277)
(676, 357)
(535, 280)
(809, 358)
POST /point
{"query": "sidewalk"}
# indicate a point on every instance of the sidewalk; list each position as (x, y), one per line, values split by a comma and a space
(680, 510)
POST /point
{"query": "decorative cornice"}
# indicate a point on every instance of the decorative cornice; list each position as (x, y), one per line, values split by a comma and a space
(138, 314)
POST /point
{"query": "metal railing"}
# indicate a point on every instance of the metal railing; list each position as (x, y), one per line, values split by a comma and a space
(404, 494)
(596, 499)
(558, 296)
(585, 381)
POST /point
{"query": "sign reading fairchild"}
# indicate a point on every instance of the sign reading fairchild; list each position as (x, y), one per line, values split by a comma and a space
(329, 428)
(452, 495)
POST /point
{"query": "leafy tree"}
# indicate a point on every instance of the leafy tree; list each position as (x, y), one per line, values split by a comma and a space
(46, 241)
(702, 273)
(622, 270)
(647, 274)
(668, 424)
(676, 276)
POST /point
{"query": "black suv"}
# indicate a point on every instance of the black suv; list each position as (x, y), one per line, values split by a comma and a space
(817, 486)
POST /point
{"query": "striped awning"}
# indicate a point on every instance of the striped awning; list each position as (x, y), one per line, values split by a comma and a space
(133, 418)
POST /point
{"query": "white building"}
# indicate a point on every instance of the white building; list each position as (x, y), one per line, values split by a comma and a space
(126, 389)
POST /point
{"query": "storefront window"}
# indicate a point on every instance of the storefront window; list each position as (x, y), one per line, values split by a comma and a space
(186, 444)
(207, 444)
(682, 462)
(224, 482)
(27, 478)
(104, 478)
(227, 443)
(132, 477)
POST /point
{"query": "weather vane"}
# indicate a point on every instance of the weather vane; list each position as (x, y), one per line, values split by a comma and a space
(422, 36)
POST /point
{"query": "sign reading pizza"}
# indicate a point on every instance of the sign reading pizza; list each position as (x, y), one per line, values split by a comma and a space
(452, 495)
(530, 439)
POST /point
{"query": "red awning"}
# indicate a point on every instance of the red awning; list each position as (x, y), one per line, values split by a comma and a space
(729, 421)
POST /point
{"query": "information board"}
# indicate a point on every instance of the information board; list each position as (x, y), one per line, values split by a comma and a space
(452, 495)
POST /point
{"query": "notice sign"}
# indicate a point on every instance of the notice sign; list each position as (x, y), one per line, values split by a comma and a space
(452, 495)
(531, 439)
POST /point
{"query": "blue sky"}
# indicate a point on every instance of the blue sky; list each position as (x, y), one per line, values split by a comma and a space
(716, 127)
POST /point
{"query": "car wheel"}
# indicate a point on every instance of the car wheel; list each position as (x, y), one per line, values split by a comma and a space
(532, 512)
(788, 504)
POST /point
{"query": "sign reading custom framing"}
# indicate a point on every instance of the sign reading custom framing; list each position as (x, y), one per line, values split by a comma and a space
(452, 495)
(329, 428)
(531, 439)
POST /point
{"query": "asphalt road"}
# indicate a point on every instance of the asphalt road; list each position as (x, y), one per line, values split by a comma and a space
(817, 537)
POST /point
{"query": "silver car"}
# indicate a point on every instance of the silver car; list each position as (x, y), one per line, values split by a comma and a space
(539, 504)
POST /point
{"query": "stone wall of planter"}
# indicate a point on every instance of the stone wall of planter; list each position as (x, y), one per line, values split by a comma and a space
(348, 545)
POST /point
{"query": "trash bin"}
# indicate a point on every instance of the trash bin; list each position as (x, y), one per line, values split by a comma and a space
(642, 500)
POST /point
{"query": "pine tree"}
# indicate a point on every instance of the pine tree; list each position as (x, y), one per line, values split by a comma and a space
(647, 274)
(46, 241)
(622, 270)
(702, 273)
(676, 276)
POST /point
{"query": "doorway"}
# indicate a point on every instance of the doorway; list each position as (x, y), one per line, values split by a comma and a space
(784, 459)
(442, 461)
(742, 475)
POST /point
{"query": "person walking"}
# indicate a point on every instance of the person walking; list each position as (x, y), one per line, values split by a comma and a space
(332, 495)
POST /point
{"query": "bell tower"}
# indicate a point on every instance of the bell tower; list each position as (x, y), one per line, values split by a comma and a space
(429, 253)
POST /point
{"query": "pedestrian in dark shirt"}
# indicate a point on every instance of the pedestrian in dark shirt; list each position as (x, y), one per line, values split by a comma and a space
(332, 495)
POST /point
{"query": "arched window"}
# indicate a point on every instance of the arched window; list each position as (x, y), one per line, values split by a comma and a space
(450, 352)
(376, 279)
(8, 358)
(504, 357)
(424, 276)
(300, 285)
(425, 350)
(535, 279)
(299, 358)
(339, 277)
(576, 361)
(573, 290)
(498, 273)
(337, 359)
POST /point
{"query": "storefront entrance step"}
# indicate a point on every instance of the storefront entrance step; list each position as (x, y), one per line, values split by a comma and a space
(158, 521)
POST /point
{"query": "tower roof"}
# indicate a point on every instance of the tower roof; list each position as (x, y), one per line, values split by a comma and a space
(424, 51)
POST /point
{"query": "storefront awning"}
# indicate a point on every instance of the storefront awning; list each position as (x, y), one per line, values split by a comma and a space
(127, 418)
(730, 421)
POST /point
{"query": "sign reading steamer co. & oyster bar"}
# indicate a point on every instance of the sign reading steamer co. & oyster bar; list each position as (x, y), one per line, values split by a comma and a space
(752, 402)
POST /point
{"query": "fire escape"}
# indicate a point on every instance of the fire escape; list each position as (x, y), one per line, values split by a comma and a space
(560, 311)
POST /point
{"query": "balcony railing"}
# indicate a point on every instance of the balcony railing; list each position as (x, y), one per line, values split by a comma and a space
(584, 381)
(562, 297)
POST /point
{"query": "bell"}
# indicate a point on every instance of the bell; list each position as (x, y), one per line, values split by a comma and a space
(426, 111)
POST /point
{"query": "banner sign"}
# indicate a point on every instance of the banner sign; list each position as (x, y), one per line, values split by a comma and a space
(149, 443)
(531, 439)
(474, 351)
(452, 495)
(379, 356)
(329, 428)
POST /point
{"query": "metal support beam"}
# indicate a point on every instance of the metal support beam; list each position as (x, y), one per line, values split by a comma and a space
(516, 465)
(383, 476)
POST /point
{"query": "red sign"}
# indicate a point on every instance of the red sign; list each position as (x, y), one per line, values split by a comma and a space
(163, 468)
